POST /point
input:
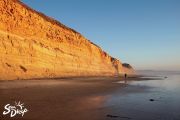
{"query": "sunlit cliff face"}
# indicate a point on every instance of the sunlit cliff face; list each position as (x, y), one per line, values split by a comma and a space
(36, 46)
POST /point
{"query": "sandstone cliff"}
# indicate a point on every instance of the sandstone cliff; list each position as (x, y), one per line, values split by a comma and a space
(33, 45)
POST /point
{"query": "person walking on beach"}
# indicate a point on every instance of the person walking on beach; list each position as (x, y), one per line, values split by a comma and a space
(125, 76)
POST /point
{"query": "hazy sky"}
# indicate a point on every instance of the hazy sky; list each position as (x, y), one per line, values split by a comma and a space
(144, 33)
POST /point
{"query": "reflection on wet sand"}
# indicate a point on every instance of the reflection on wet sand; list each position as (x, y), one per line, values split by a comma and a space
(90, 102)
(95, 99)
(155, 100)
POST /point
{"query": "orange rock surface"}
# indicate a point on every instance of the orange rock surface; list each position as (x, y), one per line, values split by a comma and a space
(33, 45)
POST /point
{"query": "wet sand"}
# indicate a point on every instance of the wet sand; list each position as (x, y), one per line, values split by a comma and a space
(65, 99)
(98, 98)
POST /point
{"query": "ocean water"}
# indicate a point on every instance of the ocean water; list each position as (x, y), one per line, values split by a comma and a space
(147, 100)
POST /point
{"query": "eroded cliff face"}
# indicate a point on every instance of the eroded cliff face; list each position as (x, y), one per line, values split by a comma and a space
(33, 45)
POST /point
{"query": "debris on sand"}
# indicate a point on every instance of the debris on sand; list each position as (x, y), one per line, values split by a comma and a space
(115, 116)
(151, 100)
(112, 116)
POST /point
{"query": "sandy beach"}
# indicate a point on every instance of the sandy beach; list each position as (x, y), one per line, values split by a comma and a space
(98, 98)
(67, 99)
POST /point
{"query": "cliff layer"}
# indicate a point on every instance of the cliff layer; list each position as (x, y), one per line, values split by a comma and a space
(33, 45)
